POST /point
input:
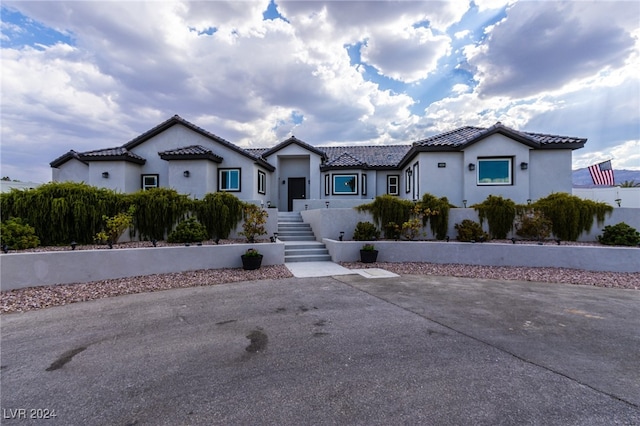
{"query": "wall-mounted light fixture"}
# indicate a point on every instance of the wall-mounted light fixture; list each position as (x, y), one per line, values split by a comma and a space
(409, 172)
(472, 167)
(442, 165)
(306, 206)
(105, 175)
(464, 203)
(341, 235)
(284, 181)
(186, 173)
(618, 201)
(528, 201)
(524, 166)
(326, 203)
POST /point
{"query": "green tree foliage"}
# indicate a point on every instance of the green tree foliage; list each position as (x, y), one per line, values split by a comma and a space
(619, 234)
(629, 184)
(439, 217)
(62, 212)
(499, 213)
(468, 230)
(157, 211)
(387, 208)
(365, 231)
(255, 220)
(571, 215)
(220, 213)
(533, 224)
(17, 234)
(188, 231)
(115, 226)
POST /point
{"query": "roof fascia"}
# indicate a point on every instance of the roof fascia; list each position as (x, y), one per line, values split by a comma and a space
(294, 140)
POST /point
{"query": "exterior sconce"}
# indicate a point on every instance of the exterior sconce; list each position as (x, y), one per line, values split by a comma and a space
(528, 201)
(472, 167)
(326, 203)
(73, 245)
(618, 201)
(409, 172)
(306, 206)
(464, 203)
(341, 235)
(269, 204)
(154, 242)
(524, 166)
(105, 175)
(284, 181)
(186, 173)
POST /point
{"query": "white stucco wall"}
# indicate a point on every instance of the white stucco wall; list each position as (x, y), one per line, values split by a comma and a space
(72, 170)
(549, 171)
(442, 181)
(202, 177)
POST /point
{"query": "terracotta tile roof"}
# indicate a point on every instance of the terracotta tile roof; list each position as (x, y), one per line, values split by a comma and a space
(192, 152)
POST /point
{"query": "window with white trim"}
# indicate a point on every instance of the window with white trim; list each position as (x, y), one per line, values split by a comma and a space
(149, 181)
(393, 185)
(229, 180)
(262, 182)
(495, 171)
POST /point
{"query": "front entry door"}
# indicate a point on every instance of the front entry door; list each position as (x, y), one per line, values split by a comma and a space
(297, 189)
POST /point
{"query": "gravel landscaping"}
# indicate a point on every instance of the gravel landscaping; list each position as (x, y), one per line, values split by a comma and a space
(47, 296)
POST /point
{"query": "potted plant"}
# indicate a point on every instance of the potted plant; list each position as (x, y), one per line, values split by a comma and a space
(251, 259)
(368, 253)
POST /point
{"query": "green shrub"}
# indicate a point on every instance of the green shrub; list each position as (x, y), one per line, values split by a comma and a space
(439, 217)
(18, 235)
(571, 215)
(469, 230)
(188, 231)
(619, 234)
(220, 213)
(157, 211)
(255, 219)
(499, 213)
(533, 224)
(115, 226)
(366, 231)
(387, 208)
(62, 212)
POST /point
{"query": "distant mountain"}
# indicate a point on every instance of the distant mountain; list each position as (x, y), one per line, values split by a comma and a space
(582, 177)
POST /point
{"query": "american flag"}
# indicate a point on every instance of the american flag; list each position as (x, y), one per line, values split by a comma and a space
(602, 173)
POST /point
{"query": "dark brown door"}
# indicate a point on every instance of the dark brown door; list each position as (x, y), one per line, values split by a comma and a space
(297, 189)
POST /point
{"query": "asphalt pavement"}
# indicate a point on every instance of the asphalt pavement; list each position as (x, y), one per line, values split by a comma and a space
(330, 350)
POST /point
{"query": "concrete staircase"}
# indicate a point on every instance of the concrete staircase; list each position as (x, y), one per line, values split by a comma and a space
(300, 244)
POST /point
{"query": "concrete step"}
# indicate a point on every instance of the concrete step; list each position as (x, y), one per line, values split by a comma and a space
(301, 233)
(308, 258)
(297, 238)
(293, 252)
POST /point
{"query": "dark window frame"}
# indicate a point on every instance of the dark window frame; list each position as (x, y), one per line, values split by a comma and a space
(144, 187)
(333, 183)
(221, 171)
(510, 174)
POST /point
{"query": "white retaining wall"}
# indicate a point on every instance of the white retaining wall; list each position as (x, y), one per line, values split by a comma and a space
(19, 270)
(590, 258)
(328, 223)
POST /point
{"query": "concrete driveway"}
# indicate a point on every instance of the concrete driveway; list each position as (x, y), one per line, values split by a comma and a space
(342, 350)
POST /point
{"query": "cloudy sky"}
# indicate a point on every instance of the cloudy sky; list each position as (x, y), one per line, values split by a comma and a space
(89, 75)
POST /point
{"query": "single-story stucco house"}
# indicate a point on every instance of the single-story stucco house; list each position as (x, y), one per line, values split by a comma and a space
(465, 165)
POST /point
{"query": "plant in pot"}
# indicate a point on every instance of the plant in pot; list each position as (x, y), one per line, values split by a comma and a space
(368, 253)
(251, 259)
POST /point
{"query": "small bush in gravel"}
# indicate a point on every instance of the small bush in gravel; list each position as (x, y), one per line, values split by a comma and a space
(469, 230)
(188, 231)
(620, 234)
(18, 235)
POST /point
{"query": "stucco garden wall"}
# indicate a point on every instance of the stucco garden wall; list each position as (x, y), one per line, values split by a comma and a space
(590, 258)
(328, 223)
(19, 270)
